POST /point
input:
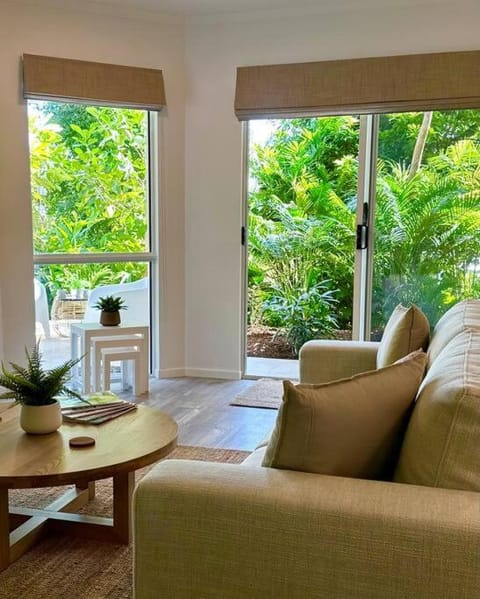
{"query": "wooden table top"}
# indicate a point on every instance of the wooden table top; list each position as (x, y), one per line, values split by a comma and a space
(124, 444)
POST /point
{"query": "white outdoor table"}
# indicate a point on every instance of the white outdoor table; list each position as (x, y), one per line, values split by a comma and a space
(81, 341)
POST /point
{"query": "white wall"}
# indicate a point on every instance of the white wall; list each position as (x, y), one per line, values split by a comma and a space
(145, 40)
(215, 47)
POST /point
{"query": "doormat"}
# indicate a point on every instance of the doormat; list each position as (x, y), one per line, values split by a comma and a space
(265, 393)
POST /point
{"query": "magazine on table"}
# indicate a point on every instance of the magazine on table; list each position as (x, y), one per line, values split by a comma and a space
(95, 408)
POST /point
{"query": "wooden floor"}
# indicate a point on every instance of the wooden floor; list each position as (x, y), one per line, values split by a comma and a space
(201, 408)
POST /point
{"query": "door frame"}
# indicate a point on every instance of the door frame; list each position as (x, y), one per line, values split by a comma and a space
(362, 279)
(363, 258)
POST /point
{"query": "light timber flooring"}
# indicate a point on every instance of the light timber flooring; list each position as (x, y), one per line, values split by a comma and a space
(205, 418)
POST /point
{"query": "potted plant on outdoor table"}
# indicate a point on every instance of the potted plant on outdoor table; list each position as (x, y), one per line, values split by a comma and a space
(37, 391)
(110, 307)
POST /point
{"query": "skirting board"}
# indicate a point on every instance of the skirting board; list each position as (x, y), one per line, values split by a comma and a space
(211, 373)
(207, 373)
(170, 373)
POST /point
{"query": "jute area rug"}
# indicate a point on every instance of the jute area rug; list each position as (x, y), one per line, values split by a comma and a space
(60, 567)
(265, 393)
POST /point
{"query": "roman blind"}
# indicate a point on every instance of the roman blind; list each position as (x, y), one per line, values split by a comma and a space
(46, 77)
(365, 85)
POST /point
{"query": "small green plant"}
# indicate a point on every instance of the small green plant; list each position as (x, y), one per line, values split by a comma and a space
(110, 303)
(33, 385)
(305, 314)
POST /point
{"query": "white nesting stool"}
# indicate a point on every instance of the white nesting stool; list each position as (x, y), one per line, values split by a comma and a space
(122, 354)
(82, 335)
(119, 341)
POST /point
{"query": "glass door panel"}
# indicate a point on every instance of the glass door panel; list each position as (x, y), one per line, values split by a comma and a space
(427, 213)
(302, 213)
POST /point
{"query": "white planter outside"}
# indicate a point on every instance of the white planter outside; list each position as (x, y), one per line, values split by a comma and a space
(40, 420)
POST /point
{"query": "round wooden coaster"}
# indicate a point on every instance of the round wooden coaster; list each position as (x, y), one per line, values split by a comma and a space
(81, 441)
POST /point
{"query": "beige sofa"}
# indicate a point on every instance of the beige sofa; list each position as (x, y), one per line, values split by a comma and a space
(222, 531)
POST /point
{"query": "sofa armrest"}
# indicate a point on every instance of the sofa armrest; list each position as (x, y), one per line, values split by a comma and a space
(220, 531)
(325, 361)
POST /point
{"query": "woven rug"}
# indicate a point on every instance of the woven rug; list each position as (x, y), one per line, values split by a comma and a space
(60, 567)
(265, 393)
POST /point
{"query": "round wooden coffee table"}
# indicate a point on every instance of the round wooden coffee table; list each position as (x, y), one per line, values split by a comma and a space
(122, 446)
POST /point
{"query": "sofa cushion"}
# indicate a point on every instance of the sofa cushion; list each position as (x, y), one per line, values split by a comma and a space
(255, 459)
(407, 330)
(464, 315)
(442, 443)
(350, 427)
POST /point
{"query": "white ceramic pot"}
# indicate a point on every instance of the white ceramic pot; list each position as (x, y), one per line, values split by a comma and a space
(40, 420)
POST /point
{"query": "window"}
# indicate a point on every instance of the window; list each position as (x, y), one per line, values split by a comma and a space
(89, 170)
(92, 209)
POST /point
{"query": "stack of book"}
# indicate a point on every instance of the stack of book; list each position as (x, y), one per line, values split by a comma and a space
(97, 412)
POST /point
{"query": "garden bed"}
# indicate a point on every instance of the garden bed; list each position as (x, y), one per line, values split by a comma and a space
(267, 342)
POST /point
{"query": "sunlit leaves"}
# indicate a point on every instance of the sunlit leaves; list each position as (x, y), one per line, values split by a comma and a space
(302, 215)
(427, 240)
(89, 183)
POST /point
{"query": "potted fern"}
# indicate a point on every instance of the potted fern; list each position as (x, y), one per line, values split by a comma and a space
(37, 391)
(110, 307)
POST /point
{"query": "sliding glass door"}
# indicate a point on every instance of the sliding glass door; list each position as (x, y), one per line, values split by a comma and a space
(302, 222)
(349, 216)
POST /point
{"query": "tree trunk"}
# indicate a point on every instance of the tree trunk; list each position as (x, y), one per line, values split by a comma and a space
(420, 144)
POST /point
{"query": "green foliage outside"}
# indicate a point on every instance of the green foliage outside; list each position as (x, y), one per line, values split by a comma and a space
(89, 185)
(302, 221)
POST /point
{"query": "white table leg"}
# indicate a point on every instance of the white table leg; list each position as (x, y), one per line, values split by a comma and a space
(106, 366)
(74, 350)
(86, 370)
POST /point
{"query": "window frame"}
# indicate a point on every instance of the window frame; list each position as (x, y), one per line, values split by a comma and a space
(150, 257)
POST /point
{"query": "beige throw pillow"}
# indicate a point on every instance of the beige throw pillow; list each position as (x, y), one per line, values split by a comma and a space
(406, 331)
(350, 427)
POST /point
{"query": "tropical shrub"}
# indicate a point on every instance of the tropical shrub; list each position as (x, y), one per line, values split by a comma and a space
(89, 189)
(301, 231)
(304, 314)
(302, 219)
(427, 244)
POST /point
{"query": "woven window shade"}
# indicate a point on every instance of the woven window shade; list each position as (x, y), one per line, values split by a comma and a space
(360, 86)
(46, 78)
